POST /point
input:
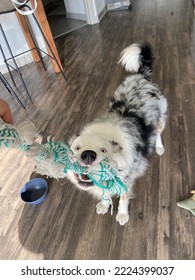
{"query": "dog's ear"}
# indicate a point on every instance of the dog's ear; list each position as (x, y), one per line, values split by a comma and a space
(71, 139)
(115, 146)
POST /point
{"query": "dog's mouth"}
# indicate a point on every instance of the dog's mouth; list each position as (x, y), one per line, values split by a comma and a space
(84, 180)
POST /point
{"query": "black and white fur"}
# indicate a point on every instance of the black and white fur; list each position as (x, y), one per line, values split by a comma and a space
(127, 133)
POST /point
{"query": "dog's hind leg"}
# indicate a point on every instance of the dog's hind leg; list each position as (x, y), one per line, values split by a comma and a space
(159, 145)
(161, 125)
(123, 214)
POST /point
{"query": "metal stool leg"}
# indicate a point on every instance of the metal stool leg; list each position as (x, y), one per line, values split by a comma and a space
(13, 58)
(53, 55)
(5, 60)
(10, 89)
(34, 42)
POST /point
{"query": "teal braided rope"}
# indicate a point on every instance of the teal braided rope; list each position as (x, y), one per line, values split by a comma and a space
(106, 177)
(9, 138)
(60, 152)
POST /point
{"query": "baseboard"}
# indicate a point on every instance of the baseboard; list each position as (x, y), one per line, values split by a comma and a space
(102, 13)
(76, 16)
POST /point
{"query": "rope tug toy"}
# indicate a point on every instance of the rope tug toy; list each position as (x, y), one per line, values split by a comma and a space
(54, 159)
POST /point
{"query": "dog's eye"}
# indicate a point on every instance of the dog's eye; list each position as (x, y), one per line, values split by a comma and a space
(103, 150)
(77, 148)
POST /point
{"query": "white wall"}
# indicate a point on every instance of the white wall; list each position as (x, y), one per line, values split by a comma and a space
(75, 6)
(100, 5)
(89, 8)
(78, 6)
(93, 10)
(17, 40)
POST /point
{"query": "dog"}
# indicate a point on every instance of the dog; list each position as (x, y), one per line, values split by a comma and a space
(127, 133)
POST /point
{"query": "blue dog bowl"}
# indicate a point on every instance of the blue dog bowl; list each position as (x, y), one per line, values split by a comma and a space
(34, 191)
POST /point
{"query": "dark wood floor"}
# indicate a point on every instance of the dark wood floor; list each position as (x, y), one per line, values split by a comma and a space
(65, 225)
(59, 23)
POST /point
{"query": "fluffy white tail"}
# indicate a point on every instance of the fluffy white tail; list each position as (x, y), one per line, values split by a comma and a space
(137, 58)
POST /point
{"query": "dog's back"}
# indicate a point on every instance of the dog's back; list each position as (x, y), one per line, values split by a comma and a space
(138, 101)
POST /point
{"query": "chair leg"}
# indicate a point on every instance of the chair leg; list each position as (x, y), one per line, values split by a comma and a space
(15, 64)
(10, 89)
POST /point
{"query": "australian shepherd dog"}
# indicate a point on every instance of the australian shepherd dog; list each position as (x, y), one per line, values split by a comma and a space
(127, 133)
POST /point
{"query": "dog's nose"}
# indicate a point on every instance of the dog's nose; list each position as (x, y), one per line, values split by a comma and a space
(88, 157)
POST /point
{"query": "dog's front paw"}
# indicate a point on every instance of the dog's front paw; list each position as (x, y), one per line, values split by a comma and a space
(122, 218)
(101, 208)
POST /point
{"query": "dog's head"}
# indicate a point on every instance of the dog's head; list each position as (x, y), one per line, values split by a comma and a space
(90, 150)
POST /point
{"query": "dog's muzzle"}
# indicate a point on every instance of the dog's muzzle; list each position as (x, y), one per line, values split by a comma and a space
(88, 157)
